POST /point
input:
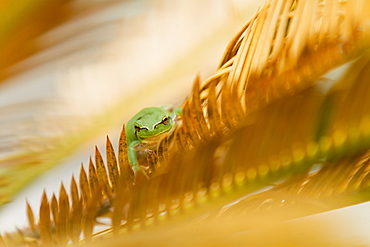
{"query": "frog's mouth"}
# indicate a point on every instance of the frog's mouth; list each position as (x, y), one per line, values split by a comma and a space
(150, 136)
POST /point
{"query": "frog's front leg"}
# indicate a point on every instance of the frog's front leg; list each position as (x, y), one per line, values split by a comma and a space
(132, 156)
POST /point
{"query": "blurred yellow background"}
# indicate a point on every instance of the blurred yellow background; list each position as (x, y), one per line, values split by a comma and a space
(72, 71)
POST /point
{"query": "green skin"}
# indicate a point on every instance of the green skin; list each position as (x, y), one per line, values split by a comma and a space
(148, 124)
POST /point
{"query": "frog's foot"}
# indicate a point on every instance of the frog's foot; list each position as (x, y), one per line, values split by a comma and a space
(137, 168)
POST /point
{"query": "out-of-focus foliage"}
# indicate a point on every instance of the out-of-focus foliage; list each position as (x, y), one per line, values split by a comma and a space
(19, 26)
(261, 119)
(32, 125)
(76, 73)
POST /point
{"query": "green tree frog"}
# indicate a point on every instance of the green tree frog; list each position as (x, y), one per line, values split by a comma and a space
(148, 126)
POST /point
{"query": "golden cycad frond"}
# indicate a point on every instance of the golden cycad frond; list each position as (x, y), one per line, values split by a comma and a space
(279, 50)
(338, 184)
(259, 119)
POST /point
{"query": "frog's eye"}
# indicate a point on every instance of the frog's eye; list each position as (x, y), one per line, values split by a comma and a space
(137, 128)
(165, 120)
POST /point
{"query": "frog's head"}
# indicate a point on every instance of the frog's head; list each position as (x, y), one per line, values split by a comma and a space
(153, 124)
